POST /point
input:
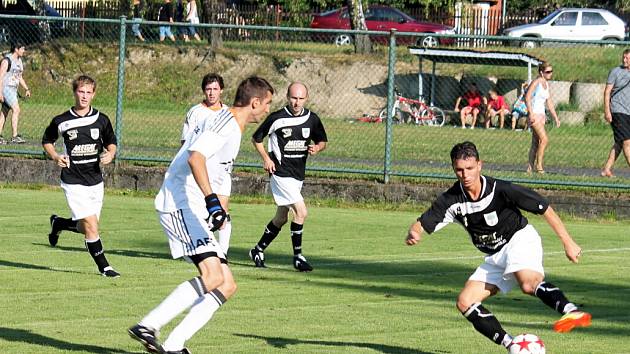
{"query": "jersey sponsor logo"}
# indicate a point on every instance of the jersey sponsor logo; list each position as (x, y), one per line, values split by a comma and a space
(306, 132)
(94, 133)
(84, 150)
(295, 145)
(72, 134)
(491, 219)
(286, 132)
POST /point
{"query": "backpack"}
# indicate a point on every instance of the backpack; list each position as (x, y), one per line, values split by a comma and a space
(8, 63)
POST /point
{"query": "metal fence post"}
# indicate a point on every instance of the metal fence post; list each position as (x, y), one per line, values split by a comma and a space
(121, 84)
(390, 104)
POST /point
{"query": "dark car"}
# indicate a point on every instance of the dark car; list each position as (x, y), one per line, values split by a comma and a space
(28, 30)
(384, 18)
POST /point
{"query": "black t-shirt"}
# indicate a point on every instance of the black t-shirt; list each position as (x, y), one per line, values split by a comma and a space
(493, 219)
(289, 137)
(166, 12)
(84, 138)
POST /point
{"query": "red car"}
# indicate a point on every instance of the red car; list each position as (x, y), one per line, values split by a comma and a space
(384, 18)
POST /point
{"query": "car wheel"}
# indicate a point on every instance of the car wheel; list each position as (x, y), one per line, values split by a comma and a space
(343, 39)
(529, 44)
(428, 42)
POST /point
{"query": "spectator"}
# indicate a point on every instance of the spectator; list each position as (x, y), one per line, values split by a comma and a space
(519, 108)
(137, 17)
(496, 106)
(538, 96)
(180, 17)
(165, 14)
(474, 101)
(11, 69)
(192, 16)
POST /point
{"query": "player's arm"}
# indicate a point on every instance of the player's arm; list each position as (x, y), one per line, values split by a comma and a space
(414, 235)
(313, 149)
(268, 163)
(60, 160)
(108, 154)
(571, 249)
(607, 91)
(216, 213)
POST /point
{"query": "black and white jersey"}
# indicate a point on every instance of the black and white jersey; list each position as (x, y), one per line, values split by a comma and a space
(289, 138)
(84, 138)
(491, 220)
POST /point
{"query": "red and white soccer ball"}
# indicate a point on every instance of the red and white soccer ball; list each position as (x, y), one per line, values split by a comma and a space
(527, 344)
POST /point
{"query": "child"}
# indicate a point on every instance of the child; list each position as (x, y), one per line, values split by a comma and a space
(519, 108)
(496, 106)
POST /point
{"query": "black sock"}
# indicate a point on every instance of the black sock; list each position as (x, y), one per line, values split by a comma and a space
(67, 224)
(485, 323)
(553, 297)
(271, 231)
(296, 238)
(98, 254)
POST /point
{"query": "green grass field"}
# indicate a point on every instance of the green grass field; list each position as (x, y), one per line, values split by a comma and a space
(369, 292)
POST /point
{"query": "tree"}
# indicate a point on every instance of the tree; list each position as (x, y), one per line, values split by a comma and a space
(211, 8)
(362, 43)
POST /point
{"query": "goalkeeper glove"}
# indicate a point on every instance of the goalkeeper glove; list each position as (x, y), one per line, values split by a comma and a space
(217, 215)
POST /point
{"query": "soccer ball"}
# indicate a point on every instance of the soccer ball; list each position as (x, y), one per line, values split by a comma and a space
(527, 344)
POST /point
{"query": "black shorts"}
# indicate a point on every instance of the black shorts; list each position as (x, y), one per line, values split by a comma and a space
(621, 127)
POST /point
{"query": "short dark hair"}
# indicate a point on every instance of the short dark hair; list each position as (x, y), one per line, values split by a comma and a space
(249, 88)
(210, 78)
(83, 80)
(17, 44)
(463, 151)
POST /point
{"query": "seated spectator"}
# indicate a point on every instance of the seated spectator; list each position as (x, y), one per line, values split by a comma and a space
(496, 106)
(519, 108)
(474, 101)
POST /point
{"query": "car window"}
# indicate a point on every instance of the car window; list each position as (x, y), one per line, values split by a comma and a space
(372, 15)
(566, 19)
(344, 14)
(593, 19)
(390, 15)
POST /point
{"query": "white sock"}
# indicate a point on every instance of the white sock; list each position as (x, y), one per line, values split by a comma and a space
(570, 307)
(224, 236)
(507, 340)
(178, 301)
(200, 313)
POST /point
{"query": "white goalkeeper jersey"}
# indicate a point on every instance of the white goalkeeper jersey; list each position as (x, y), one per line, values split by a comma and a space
(219, 141)
(199, 113)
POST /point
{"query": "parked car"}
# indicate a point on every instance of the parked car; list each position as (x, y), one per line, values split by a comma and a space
(384, 18)
(30, 30)
(573, 24)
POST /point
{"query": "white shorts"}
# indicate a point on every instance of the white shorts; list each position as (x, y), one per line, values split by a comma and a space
(286, 190)
(188, 234)
(221, 183)
(84, 201)
(524, 251)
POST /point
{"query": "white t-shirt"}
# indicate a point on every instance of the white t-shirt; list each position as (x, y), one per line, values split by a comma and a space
(200, 113)
(219, 140)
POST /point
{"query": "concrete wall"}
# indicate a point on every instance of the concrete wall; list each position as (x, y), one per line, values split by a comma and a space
(20, 170)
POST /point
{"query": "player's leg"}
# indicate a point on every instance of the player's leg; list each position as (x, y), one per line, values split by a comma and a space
(220, 286)
(76, 197)
(297, 227)
(469, 303)
(89, 227)
(225, 232)
(271, 232)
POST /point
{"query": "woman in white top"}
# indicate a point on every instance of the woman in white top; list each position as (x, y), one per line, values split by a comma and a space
(193, 17)
(537, 98)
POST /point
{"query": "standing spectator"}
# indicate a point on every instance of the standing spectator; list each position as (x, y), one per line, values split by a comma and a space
(617, 111)
(490, 211)
(189, 211)
(538, 96)
(165, 14)
(89, 141)
(474, 101)
(496, 106)
(192, 16)
(137, 18)
(213, 110)
(291, 131)
(179, 17)
(11, 70)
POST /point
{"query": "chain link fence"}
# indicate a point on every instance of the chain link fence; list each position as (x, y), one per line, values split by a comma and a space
(412, 138)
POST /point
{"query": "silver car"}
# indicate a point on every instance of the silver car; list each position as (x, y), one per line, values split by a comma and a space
(574, 24)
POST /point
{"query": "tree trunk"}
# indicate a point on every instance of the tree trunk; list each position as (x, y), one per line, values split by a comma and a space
(211, 8)
(362, 43)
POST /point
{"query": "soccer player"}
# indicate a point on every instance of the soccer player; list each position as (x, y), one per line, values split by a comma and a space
(88, 141)
(291, 131)
(189, 210)
(213, 109)
(489, 209)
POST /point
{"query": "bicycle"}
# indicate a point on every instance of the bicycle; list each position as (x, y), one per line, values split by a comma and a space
(407, 110)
